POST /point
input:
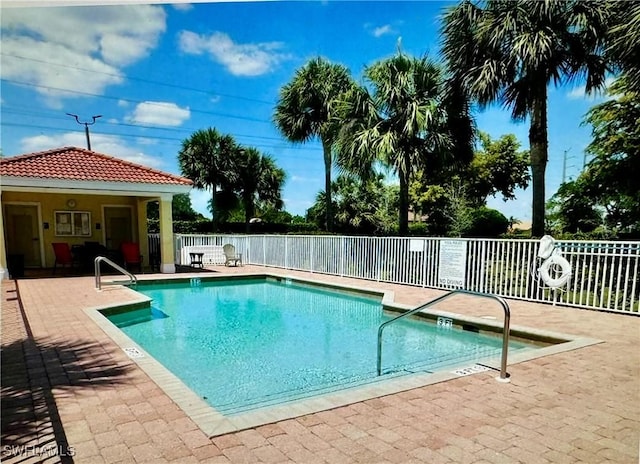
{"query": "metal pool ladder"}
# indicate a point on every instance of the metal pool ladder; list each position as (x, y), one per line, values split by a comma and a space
(132, 279)
(504, 376)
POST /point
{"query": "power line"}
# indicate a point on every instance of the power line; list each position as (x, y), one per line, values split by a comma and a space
(185, 130)
(173, 139)
(140, 79)
(130, 100)
(56, 116)
(59, 129)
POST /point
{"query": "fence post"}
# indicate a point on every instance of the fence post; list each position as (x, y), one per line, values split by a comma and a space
(342, 253)
(379, 254)
(177, 248)
(424, 263)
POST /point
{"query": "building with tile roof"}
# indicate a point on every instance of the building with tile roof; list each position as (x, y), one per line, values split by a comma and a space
(79, 197)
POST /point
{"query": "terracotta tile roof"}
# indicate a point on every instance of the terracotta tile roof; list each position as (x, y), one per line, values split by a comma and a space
(71, 163)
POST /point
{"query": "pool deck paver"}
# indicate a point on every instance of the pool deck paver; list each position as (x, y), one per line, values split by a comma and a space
(65, 382)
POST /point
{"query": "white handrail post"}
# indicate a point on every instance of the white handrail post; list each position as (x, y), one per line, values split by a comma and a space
(96, 264)
(504, 375)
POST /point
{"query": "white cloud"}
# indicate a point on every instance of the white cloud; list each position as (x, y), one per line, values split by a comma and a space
(101, 39)
(107, 144)
(123, 103)
(53, 78)
(252, 59)
(382, 30)
(146, 141)
(385, 29)
(159, 114)
(182, 6)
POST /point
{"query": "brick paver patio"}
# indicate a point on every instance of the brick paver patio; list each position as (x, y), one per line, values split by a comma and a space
(68, 389)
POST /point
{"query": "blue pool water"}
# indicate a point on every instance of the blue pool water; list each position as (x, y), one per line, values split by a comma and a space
(241, 344)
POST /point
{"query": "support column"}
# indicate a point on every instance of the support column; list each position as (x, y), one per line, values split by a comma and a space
(167, 253)
(143, 239)
(4, 272)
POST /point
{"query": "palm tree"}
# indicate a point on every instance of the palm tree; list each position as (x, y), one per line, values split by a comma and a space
(204, 158)
(510, 51)
(304, 111)
(404, 122)
(359, 205)
(258, 179)
(623, 40)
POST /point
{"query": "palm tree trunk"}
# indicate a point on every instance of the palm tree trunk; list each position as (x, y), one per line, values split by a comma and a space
(248, 213)
(326, 148)
(539, 148)
(403, 213)
(214, 220)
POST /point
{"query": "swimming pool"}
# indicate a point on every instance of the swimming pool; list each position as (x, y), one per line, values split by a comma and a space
(249, 343)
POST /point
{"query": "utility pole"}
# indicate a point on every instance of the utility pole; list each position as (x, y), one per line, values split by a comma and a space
(564, 165)
(86, 126)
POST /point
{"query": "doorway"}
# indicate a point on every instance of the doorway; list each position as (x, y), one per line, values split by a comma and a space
(23, 234)
(118, 226)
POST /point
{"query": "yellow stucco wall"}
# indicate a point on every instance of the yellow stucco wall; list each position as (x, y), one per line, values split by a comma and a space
(49, 203)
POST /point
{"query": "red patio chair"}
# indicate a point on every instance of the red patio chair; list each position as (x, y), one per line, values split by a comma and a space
(64, 257)
(131, 255)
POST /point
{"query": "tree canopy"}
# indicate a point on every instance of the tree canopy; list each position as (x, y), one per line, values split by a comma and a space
(623, 41)
(607, 193)
(361, 206)
(180, 207)
(305, 111)
(257, 181)
(204, 158)
(235, 174)
(509, 52)
(402, 117)
(447, 196)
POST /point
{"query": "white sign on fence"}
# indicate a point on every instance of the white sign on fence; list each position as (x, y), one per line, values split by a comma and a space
(416, 246)
(452, 264)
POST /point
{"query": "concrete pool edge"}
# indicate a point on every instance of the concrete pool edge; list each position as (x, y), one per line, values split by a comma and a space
(213, 423)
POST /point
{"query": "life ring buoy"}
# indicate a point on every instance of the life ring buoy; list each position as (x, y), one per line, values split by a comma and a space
(545, 271)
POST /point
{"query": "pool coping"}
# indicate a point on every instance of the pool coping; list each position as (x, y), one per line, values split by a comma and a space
(213, 423)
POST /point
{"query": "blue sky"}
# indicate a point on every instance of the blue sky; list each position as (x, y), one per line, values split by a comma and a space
(157, 73)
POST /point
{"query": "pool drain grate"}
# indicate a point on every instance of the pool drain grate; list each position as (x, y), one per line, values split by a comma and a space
(133, 352)
(470, 370)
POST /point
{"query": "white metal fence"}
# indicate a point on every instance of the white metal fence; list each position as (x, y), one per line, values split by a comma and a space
(605, 275)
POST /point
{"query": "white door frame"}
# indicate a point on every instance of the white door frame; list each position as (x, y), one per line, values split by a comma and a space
(39, 219)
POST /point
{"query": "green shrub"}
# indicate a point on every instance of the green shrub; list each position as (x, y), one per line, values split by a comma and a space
(205, 227)
(486, 223)
(418, 229)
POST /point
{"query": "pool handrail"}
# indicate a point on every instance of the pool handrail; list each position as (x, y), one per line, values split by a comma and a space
(96, 262)
(504, 376)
